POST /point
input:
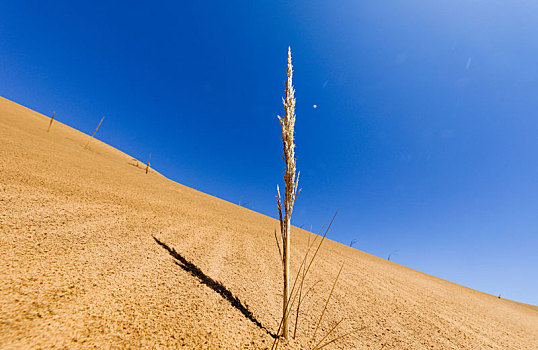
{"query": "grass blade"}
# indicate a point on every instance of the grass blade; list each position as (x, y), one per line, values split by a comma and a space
(326, 303)
(328, 333)
(277, 339)
(335, 339)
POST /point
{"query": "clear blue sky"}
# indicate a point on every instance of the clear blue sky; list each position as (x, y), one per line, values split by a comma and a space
(425, 136)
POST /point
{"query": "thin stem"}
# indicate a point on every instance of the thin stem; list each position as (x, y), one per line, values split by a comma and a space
(335, 339)
(97, 128)
(328, 333)
(326, 303)
(293, 293)
(51, 120)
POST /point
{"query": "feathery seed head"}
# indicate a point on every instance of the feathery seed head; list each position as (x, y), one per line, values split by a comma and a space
(287, 124)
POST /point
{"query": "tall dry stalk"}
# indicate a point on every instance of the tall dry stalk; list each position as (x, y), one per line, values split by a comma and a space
(308, 264)
(51, 120)
(291, 181)
(147, 166)
(97, 128)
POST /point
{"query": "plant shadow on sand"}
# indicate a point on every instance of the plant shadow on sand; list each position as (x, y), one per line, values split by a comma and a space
(213, 284)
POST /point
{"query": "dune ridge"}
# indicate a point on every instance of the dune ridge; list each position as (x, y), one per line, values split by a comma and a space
(81, 265)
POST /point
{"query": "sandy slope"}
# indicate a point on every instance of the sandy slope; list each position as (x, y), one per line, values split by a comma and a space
(80, 268)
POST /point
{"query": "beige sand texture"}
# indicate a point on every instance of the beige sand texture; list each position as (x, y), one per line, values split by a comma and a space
(80, 267)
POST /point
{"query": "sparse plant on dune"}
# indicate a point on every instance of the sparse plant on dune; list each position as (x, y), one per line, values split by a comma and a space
(285, 208)
(51, 120)
(392, 254)
(291, 181)
(147, 166)
(95, 131)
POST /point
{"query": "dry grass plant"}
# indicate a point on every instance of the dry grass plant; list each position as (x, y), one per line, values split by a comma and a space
(291, 182)
(149, 161)
(291, 191)
(95, 131)
(51, 120)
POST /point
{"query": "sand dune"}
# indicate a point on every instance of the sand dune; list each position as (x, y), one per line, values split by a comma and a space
(94, 253)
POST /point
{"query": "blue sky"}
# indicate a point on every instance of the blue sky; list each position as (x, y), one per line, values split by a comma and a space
(425, 136)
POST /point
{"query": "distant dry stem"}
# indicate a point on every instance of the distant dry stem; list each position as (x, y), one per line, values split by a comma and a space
(51, 120)
(97, 128)
(147, 166)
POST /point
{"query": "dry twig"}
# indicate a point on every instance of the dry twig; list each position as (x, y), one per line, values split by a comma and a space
(51, 120)
(97, 128)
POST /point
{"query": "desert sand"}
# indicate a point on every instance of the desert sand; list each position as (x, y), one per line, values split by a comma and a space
(94, 253)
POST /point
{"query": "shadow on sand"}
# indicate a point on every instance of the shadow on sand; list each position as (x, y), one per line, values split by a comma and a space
(215, 285)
